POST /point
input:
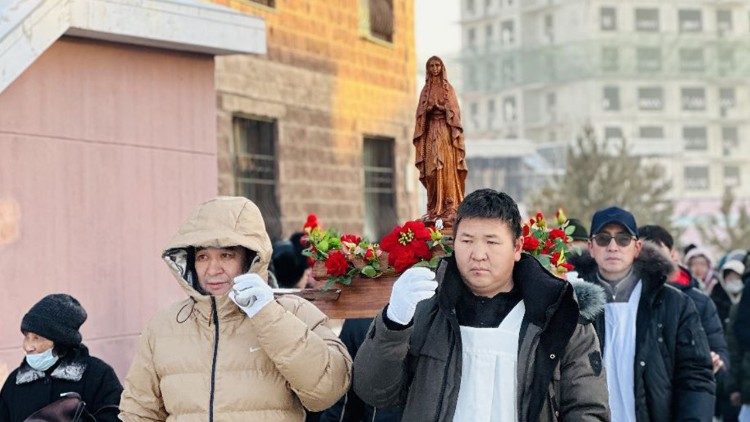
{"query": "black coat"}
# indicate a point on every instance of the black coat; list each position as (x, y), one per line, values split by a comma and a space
(673, 373)
(351, 408)
(27, 390)
(710, 319)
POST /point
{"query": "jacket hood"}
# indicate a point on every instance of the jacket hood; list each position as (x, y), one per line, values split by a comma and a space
(699, 251)
(542, 291)
(219, 223)
(651, 265)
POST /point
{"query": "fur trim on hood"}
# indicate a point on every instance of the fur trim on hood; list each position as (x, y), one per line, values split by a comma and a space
(591, 299)
(651, 265)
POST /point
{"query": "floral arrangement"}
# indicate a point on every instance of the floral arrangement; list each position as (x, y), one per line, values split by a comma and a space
(548, 242)
(340, 258)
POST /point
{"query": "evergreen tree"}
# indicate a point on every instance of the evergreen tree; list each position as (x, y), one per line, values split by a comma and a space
(601, 174)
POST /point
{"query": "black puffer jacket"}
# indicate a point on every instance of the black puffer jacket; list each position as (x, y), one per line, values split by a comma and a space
(27, 390)
(710, 319)
(673, 374)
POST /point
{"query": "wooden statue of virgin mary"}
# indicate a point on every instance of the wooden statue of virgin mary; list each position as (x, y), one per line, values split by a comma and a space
(439, 140)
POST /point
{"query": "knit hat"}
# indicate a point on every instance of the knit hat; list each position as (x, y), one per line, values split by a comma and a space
(579, 231)
(56, 317)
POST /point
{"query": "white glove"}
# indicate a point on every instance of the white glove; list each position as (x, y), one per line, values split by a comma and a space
(251, 293)
(414, 286)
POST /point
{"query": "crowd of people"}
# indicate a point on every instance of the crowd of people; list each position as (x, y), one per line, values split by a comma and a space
(639, 331)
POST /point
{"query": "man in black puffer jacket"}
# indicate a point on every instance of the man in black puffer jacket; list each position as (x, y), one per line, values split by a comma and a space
(655, 350)
(682, 280)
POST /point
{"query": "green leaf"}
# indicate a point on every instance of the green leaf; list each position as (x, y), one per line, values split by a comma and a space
(545, 260)
(323, 246)
(435, 261)
(569, 230)
(329, 283)
(369, 271)
(421, 264)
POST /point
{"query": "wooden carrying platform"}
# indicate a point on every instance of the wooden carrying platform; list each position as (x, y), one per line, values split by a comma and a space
(364, 298)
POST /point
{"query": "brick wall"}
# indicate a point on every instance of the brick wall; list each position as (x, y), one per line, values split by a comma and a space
(327, 85)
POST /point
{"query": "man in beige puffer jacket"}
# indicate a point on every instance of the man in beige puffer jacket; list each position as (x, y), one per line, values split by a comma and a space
(230, 352)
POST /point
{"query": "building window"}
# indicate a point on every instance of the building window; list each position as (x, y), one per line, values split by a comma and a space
(490, 114)
(509, 71)
(727, 101)
(379, 19)
(732, 176)
(471, 37)
(267, 3)
(649, 59)
(472, 79)
(470, 6)
(651, 98)
(552, 106)
(489, 75)
(695, 137)
(613, 134)
(549, 29)
(692, 60)
(488, 34)
(651, 132)
(730, 140)
(474, 115)
(696, 177)
(380, 192)
(509, 110)
(255, 171)
(610, 59)
(693, 99)
(726, 60)
(608, 18)
(611, 100)
(724, 21)
(647, 20)
(690, 20)
(506, 33)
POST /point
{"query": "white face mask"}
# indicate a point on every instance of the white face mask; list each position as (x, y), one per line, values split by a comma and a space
(734, 287)
(41, 361)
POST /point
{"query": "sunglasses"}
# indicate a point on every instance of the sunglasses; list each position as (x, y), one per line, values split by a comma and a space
(603, 239)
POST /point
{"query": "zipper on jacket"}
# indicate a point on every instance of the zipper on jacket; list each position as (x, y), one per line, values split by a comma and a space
(215, 317)
(447, 364)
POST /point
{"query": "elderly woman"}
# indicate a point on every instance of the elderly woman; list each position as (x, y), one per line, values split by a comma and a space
(57, 362)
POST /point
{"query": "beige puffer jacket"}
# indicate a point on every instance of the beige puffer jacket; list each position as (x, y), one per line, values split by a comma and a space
(196, 365)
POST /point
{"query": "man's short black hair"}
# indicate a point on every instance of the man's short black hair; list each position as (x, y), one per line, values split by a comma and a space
(656, 234)
(489, 203)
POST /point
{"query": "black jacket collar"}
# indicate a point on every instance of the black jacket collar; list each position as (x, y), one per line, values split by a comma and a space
(70, 367)
(542, 292)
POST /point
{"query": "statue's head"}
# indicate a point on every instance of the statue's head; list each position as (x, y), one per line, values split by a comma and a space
(435, 67)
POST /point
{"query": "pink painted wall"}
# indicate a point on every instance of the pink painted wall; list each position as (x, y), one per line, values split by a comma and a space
(104, 149)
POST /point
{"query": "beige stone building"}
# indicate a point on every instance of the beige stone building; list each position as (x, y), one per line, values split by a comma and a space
(323, 123)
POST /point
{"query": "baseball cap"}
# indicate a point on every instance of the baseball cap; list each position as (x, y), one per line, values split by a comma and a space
(614, 215)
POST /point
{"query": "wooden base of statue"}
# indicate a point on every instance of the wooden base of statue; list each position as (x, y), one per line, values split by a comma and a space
(364, 298)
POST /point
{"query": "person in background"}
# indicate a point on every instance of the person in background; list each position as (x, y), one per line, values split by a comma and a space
(580, 236)
(289, 265)
(57, 362)
(698, 261)
(682, 280)
(739, 380)
(729, 290)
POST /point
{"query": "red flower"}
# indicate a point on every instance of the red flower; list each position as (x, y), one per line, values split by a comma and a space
(557, 234)
(336, 264)
(351, 238)
(311, 223)
(370, 255)
(530, 243)
(531, 222)
(555, 258)
(539, 216)
(567, 266)
(407, 245)
(548, 245)
(526, 230)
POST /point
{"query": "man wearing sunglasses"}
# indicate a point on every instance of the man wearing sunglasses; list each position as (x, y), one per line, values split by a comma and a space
(656, 354)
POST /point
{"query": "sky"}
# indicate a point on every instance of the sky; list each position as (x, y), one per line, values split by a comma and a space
(437, 30)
